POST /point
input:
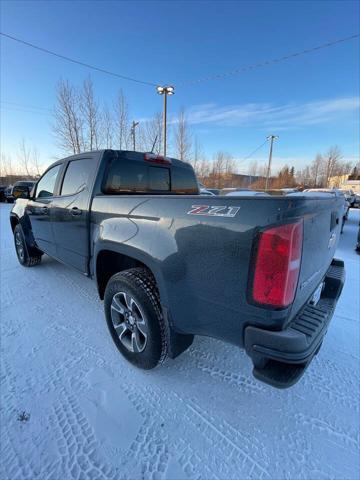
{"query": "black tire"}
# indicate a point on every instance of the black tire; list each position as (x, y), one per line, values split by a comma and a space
(139, 285)
(22, 251)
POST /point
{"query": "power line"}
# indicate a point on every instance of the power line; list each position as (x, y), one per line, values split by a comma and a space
(239, 70)
(22, 105)
(23, 110)
(87, 65)
(236, 71)
(256, 149)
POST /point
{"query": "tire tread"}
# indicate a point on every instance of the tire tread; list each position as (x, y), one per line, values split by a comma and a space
(144, 280)
(29, 260)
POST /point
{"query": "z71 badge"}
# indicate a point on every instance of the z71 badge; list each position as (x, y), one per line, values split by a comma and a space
(213, 211)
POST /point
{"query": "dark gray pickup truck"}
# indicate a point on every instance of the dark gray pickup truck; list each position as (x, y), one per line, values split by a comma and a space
(257, 272)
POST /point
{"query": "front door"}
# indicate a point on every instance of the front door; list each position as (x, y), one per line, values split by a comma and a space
(39, 211)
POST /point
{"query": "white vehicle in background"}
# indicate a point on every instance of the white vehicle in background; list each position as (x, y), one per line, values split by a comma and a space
(349, 195)
(246, 193)
(241, 192)
(204, 191)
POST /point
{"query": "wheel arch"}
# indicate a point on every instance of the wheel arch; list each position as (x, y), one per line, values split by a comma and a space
(112, 258)
(14, 220)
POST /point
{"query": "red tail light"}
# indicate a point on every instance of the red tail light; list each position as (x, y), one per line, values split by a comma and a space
(152, 157)
(277, 265)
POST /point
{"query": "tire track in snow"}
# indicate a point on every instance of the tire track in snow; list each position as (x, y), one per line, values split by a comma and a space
(77, 445)
(234, 441)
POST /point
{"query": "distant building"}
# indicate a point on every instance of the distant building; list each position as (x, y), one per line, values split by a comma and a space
(353, 185)
(344, 182)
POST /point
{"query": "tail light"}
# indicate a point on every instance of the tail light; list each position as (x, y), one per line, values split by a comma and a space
(152, 157)
(277, 265)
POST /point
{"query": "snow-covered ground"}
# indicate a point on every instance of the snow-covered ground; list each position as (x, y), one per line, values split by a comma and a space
(89, 414)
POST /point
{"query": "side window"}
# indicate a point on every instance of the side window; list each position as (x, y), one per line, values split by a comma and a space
(159, 179)
(126, 177)
(77, 176)
(46, 185)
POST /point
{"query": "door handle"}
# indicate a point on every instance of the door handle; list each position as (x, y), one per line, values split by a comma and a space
(44, 210)
(75, 211)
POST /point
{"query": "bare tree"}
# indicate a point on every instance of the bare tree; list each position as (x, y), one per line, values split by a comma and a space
(107, 128)
(253, 168)
(332, 159)
(151, 134)
(90, 112)
(229, 170)
(203, 171)
(218, 169)
(6, 166)
(122, 121)
(197, 155)
(3, 165)
(316, 169)
(304, 177)
(35, 163)
(261, 179)
(68, 125)
(24, 156)
(182, 137)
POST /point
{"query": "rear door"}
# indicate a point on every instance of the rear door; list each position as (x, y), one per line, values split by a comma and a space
(39, 210)
(70, 212)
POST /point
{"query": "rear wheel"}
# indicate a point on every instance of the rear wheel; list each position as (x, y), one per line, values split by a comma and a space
(22, 251)
(134, 317)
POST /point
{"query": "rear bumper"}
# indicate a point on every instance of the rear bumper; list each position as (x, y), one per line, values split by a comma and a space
(281, 357)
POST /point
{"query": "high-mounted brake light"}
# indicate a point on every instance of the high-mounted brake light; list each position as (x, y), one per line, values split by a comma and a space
(152, 157)
(277, 265)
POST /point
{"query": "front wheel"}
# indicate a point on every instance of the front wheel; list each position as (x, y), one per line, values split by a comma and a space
(22, 252)
(134, 317)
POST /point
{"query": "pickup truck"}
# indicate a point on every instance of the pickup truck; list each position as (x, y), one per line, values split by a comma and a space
(15, 191)
(255, 271)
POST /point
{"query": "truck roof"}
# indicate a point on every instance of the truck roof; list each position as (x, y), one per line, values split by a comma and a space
(128, 154)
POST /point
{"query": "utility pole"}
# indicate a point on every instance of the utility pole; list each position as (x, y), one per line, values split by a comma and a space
(165, 90)
(133, 126)
(271, 138)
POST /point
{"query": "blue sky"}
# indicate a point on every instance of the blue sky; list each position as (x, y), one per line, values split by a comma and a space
(310, 101)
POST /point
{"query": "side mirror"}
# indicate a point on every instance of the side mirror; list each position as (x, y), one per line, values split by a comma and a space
(21, 192)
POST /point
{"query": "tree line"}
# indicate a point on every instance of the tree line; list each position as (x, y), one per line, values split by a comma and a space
(325, 169)
(81, 123)
(27, 165)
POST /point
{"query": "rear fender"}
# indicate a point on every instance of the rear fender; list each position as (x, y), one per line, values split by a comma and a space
(177, 343)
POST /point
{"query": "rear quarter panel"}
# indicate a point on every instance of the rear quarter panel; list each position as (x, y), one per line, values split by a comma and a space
(202, 263)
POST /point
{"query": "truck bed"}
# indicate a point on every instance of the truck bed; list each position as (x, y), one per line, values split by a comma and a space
(202, 260)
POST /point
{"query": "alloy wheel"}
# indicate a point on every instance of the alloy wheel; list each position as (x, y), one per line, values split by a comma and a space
(129, 322)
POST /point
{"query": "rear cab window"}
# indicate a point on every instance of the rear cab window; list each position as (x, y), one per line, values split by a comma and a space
(126, 176)
(134, 175)
(159, 179)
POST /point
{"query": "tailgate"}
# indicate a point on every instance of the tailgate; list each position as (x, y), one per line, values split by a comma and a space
(322, 227)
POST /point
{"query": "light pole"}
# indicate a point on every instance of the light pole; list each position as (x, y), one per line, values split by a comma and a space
(133, 126)
(271, 138)
(165, 90)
